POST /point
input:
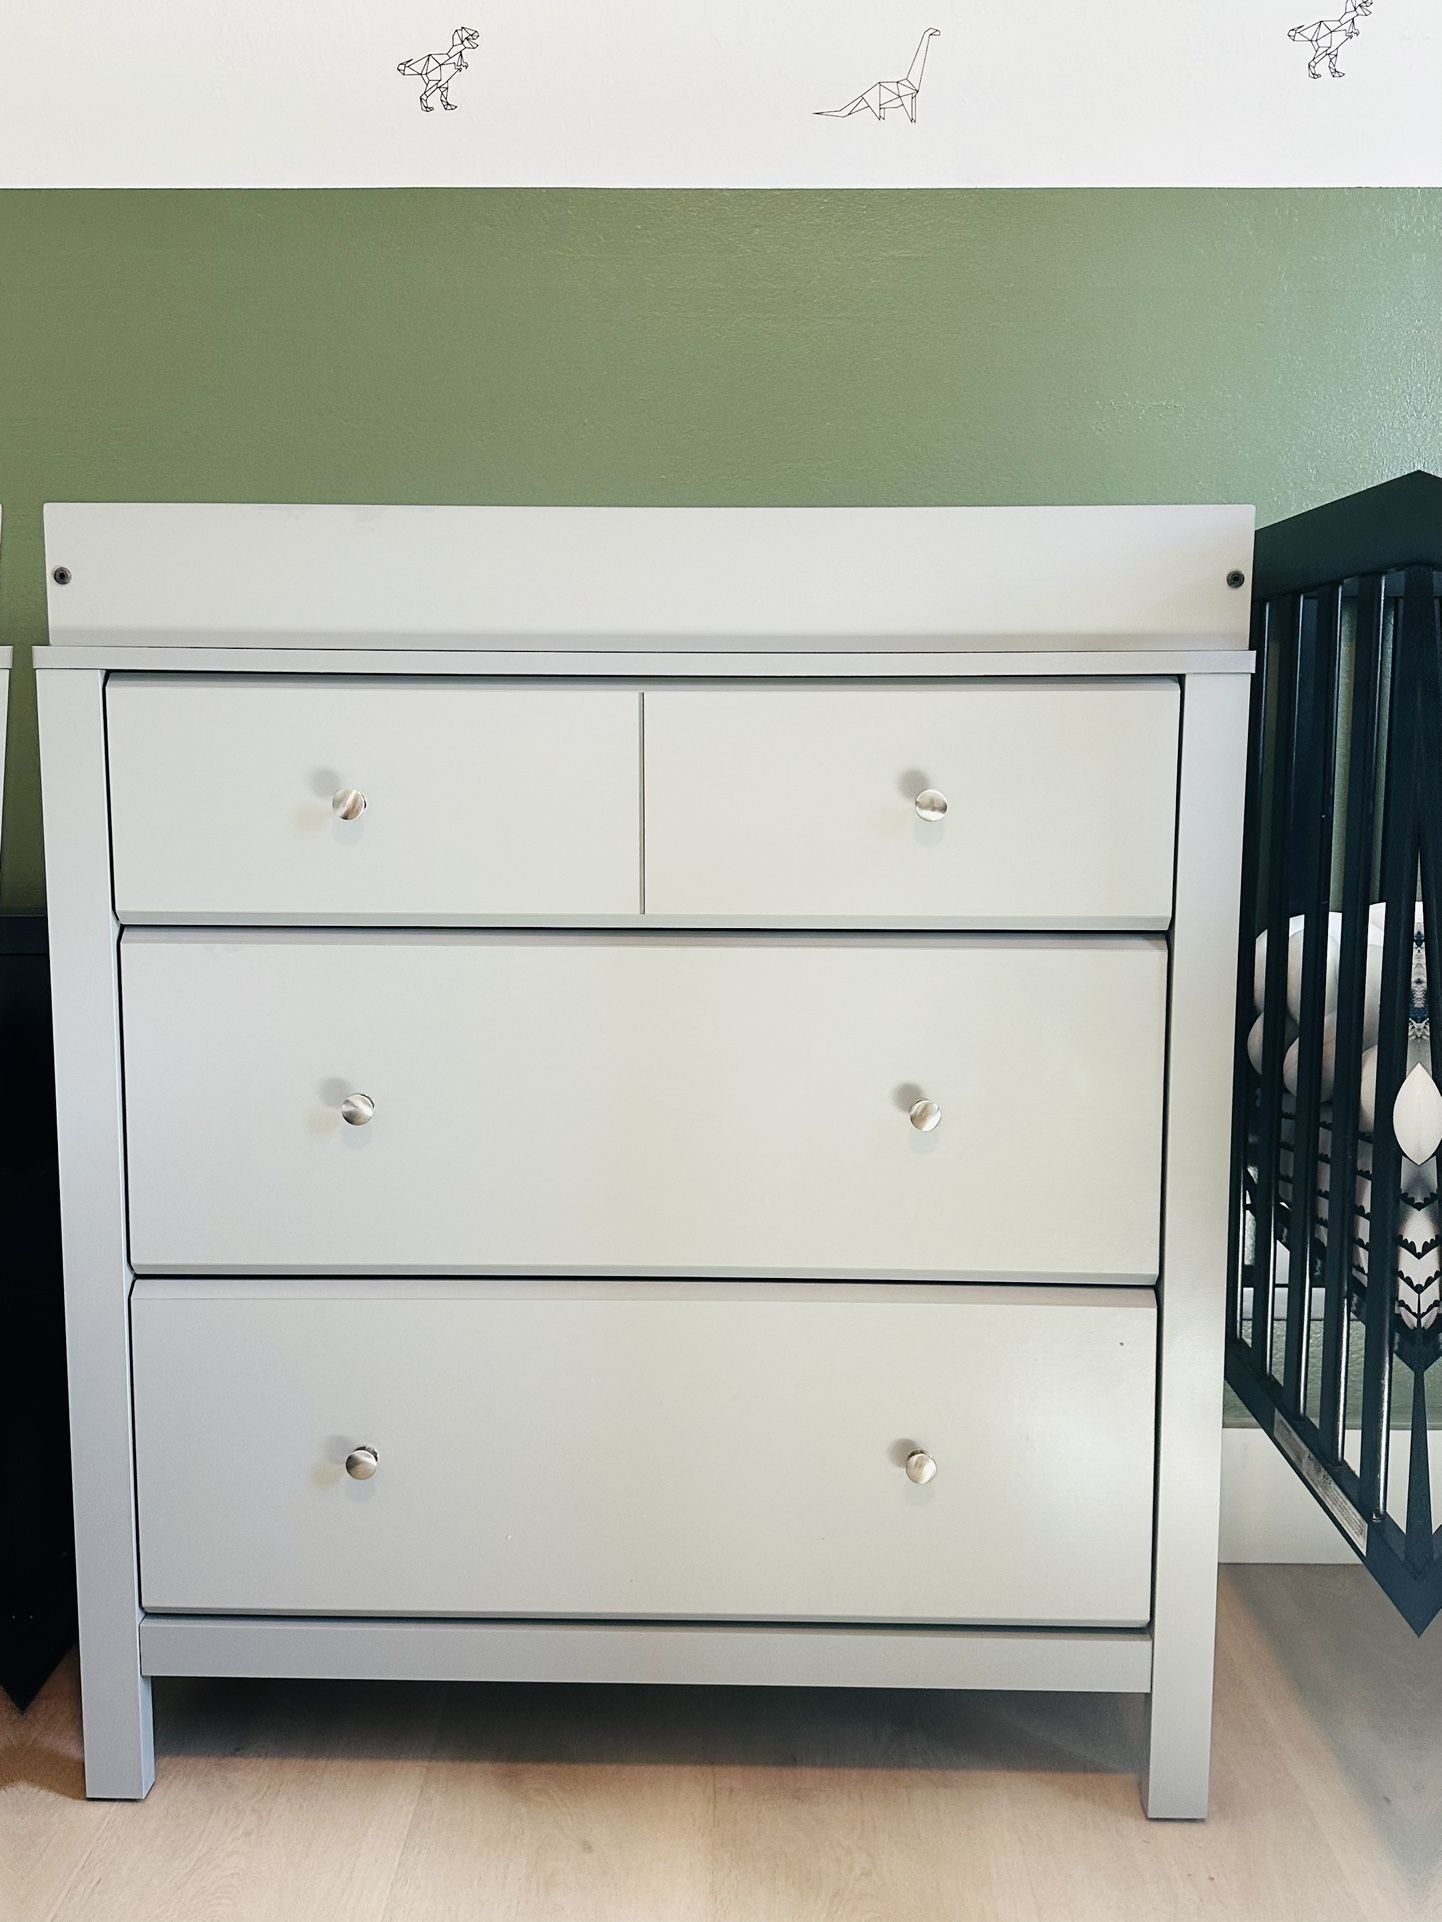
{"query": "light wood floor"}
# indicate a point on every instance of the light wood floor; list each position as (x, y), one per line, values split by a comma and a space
(393, 1802)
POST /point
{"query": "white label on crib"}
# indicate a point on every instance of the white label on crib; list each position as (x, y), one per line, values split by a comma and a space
(1343, 1513)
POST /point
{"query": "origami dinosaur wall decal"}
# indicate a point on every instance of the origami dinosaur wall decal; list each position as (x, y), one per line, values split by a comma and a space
(438, 70)
(1328, 37)
(880, 98)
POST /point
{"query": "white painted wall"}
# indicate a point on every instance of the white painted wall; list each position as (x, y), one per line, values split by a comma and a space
(1267, 1513)
(660, 93)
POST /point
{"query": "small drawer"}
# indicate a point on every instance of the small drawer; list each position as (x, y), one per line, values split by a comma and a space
(1017, 804)
(713, 1452)
(273, 800)
(933, 1106)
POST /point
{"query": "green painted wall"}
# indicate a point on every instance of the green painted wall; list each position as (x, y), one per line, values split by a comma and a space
(763, 347)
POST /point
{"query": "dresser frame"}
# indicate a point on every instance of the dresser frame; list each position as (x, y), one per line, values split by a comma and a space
(123, 1648)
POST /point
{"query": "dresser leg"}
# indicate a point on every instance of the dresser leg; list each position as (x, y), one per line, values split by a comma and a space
(1179, 1719)
(84, 993)
(119, 1738)
(1192, 1290)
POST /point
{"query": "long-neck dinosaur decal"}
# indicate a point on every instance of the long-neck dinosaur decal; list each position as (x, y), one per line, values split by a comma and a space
(880, 98)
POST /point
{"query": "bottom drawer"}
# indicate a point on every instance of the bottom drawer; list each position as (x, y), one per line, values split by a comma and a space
(722, 1451)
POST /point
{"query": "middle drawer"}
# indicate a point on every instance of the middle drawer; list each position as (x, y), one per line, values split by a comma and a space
(644, 1104)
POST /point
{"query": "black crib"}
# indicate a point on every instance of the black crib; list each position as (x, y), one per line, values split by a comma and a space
(1335, 1291)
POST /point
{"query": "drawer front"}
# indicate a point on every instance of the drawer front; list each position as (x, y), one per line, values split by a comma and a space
(795, 804)
(644, 1104)
(715, 1451)
(481, 803)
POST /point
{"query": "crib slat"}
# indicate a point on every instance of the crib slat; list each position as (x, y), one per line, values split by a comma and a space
(1430, 827)
(1313, 762)
(1419, 1486)
(1399, 890)
(1280, 706)
(1239, 1270)
(1422, 607)
(1359, 831)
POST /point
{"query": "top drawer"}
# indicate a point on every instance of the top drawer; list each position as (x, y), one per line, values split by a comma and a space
(1010, 804)
(471, 802)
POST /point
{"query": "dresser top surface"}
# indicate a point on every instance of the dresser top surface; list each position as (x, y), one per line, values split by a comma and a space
(648, 669)
(625, 582)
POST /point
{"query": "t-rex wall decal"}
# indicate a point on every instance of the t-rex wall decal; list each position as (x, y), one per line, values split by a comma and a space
(886, 94)
(1328, 37)
(438, 70)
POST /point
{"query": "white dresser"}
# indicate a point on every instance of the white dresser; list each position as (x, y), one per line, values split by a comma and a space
(644, 1095)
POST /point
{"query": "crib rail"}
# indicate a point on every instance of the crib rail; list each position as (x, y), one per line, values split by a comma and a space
(1334, 1328)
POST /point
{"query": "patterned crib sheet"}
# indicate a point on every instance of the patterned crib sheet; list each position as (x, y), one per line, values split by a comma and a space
(1416, 1116)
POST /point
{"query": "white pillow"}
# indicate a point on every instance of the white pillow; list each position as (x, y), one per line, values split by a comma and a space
(1296, 947)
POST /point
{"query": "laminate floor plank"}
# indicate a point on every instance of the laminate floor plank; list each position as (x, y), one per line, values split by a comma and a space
(578, 1804)
(46, 1827)
(342, 1802)
(1262, 1855)
(1354, 1701)
(280, 1801)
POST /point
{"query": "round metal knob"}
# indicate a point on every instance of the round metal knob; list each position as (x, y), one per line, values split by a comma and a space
(925, 1115)
(931, 804)
(349, 803)
(358, 1109)
(362, 1463)
(920, 1468)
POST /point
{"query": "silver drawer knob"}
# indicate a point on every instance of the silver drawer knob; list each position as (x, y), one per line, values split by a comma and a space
(925, 1115)
(358, 1109)
(362, 1463)
(920, 1468)
(931, 804)
(350, 804)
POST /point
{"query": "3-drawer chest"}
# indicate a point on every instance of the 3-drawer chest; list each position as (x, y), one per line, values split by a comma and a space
(643, 1095)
